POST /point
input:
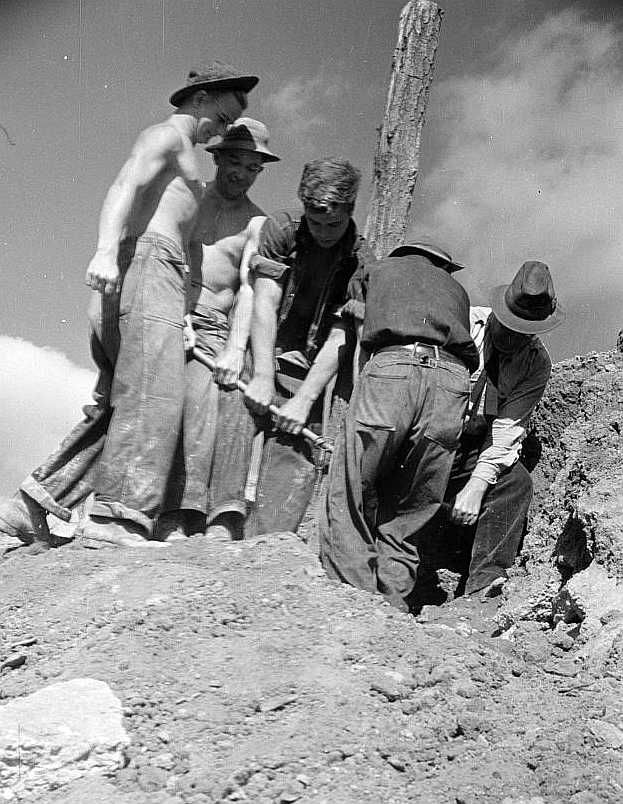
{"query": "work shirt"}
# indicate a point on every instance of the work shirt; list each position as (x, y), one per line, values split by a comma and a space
(315, 280)
(521, 381)
(408, 299)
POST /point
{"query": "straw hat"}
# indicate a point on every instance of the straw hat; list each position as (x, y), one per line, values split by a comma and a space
(246, 134)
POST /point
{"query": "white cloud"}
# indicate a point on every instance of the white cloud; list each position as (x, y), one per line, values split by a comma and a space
(532, 166)
(304, 105)
(41, 395)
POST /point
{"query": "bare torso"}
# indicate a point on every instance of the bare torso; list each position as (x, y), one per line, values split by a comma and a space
(221, 228)
(171, 203)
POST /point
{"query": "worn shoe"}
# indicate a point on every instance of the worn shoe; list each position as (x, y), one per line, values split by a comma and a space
(98, 532)
(24, 519)
(179, 525)
(227, 527)
(170, 527)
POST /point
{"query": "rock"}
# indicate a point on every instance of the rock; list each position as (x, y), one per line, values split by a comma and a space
(566, 667)
(59, 734)
(388, 687)
(588, 596)
(607, 733)
(93, 790)
(398, 763)
(165, 760)
(24, 642)
(13, 662)
(276, 703)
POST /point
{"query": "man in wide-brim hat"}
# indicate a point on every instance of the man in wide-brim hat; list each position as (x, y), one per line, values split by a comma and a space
(490, 490)
(229, 224)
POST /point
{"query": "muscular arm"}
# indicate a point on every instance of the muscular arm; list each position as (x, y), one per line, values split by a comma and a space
(229, 363)
(294, 413)
(261, 389)
(150, 158)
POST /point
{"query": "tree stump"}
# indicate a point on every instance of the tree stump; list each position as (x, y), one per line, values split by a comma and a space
(398, 146)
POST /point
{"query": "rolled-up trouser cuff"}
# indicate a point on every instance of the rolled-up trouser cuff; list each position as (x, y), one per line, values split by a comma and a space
(117, 510)
(231, 507)
(35, 490)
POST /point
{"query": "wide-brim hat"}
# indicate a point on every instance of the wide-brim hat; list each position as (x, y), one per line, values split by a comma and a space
(421, 247)
(246, 134)
(529, 304)
(214, 77)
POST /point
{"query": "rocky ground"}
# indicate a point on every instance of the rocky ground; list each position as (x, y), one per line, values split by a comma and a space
(242, 674)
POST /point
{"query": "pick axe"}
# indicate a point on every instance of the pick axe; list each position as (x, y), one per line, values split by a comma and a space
(309, 435)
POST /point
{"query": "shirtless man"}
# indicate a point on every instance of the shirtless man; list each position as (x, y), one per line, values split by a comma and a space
(228, 227)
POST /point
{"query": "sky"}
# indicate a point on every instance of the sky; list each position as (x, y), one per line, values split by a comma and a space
(521, 154)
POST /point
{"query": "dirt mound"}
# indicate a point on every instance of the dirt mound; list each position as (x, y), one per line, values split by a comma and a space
(573, 551)
(245, 675)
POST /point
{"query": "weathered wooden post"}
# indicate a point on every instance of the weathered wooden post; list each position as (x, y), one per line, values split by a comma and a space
(398, 147)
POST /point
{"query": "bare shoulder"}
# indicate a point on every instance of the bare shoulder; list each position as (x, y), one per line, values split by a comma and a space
(161, 137)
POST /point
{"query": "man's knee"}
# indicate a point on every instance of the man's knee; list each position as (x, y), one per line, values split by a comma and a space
(516, 481)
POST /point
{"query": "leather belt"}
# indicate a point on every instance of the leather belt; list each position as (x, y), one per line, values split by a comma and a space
(429, 350)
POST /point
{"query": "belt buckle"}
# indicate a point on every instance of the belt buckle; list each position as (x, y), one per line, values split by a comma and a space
(426, 359)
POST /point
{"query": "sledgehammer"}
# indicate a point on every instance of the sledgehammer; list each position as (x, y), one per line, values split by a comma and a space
(308, 435)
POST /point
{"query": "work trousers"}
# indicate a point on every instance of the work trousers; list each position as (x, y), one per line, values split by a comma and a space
(147, 394)
(390, 469)
(285, 484)
(192, 468)
(492, 545)
(65, 479)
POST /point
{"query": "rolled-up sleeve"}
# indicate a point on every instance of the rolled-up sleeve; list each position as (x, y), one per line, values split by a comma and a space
(508, 429)
(357, 291)
(276, 243)
(503, 450)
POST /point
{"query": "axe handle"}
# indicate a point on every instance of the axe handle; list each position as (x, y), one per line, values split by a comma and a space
(308, 435)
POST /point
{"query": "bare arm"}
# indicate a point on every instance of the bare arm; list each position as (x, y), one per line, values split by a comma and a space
(150, 158)
(229, 363)
(294, 413)
(261, 389)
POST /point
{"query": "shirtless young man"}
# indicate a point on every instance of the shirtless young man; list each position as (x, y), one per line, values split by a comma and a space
(228, 227)
(145, 226)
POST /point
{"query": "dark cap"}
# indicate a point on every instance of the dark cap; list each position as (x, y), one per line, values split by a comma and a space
(214, 77)
(419, 247)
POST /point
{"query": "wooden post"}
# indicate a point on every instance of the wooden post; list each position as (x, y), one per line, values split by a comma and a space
(398, 147)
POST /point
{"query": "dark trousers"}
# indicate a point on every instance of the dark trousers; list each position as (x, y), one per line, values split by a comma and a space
(491, 546)
(390, 469)
(286, 475)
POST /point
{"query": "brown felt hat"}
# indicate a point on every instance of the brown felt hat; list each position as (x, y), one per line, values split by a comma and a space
(528, 305)
(246, 134)
(420, 247)
(214, 77)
